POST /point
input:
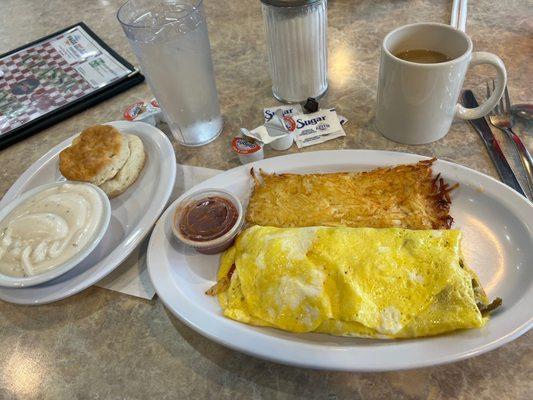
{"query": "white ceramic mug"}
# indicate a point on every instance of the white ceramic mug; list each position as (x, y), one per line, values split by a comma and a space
(417, 102)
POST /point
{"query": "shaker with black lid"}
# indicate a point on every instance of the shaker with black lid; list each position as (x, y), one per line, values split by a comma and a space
(296, 32)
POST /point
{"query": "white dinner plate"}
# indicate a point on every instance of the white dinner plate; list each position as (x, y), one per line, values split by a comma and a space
(498, 240)
(133, 214)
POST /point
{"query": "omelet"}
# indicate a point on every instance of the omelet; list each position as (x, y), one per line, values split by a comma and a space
(364, 282)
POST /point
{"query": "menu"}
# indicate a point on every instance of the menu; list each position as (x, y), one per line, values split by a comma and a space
(54, 77)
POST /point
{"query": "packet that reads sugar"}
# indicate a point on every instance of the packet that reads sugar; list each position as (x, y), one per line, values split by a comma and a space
(317, 127)
(287, 111)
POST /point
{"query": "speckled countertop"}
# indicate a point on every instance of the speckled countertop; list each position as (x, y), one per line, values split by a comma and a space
(105, 345)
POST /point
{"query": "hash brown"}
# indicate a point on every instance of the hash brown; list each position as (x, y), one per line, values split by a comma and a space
(404, 196)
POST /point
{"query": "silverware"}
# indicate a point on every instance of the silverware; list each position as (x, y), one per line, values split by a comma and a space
(458, 17)
(502, 119)
(493, 147)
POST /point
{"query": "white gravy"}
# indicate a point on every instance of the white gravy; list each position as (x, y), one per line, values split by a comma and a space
(48, 229)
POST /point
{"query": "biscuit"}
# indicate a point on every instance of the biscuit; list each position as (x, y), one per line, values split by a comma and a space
(129, 172)
(95, 156)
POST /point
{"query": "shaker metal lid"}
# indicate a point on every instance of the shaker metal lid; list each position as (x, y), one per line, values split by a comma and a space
(289, 3)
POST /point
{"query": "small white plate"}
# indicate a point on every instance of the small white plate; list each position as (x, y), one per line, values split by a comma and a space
(133, 214)
(27, 281)
(497, 224)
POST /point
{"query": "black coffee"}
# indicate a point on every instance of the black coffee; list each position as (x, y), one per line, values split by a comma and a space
(423, 56)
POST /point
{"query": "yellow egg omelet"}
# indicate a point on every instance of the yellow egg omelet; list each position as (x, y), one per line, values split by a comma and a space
(366, 282)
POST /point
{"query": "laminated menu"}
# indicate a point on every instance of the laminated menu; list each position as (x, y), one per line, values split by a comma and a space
(56, 76)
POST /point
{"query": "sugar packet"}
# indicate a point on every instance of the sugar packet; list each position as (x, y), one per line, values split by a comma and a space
(317, 127)
(287, 111)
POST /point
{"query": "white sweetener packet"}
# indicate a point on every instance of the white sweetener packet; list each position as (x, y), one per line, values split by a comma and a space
(287, 110)
(342, 120)
(317, 127)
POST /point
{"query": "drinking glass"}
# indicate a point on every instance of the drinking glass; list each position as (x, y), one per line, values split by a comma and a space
(171, 43)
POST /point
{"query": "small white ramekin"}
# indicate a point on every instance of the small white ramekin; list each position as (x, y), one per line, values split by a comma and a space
(211, 246)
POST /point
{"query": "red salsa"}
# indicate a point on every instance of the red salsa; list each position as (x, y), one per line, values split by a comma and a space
(208, 218)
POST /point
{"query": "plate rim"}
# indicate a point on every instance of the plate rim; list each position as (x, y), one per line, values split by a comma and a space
(161, 141)
(328, 364)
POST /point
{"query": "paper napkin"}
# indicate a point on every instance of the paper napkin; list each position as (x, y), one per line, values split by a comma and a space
(131, 277)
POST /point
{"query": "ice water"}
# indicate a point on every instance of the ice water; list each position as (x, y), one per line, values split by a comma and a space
(172, 46)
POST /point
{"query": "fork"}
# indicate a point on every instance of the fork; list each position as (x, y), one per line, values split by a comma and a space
(501, 118)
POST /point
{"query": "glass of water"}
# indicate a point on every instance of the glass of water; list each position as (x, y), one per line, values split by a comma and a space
(170, 40)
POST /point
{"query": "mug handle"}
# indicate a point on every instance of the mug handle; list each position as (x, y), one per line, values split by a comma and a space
(482, 57)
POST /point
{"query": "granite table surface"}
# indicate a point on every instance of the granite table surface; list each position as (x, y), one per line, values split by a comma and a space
(106, 345)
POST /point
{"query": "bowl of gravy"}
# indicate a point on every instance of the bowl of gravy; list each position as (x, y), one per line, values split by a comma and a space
(50, 229)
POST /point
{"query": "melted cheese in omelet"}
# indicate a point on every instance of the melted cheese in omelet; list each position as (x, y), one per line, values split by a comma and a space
(387, 283)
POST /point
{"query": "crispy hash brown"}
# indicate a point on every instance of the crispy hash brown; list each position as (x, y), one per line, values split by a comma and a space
(405, 196)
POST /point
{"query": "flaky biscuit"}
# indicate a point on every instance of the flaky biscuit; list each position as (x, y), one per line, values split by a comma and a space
(129, 172)
(95, 156)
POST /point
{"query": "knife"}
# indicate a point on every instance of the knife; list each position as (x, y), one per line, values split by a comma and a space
(493, 147)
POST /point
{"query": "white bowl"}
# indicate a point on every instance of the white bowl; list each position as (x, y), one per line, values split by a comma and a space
(19, 282)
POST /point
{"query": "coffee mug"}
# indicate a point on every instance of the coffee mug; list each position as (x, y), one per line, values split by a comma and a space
(417, 102)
